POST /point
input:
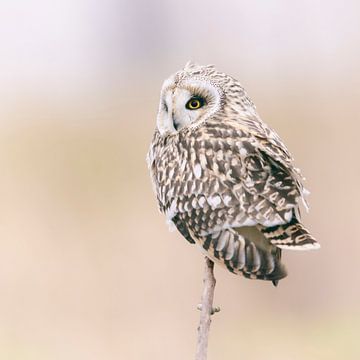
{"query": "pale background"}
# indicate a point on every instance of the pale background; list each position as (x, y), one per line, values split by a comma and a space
(88, 269)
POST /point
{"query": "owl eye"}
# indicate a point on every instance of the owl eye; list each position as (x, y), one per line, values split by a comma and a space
(195, 103)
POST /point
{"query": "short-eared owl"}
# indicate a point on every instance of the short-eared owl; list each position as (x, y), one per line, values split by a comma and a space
(223, 177)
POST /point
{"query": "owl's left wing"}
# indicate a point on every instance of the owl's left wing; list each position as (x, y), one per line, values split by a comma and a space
(257, 184)
(271, 144)
(254, 176)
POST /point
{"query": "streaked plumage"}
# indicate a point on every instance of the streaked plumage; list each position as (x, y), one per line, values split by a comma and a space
(223, 177)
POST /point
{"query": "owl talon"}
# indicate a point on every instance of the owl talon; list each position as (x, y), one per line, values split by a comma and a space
(213, 310)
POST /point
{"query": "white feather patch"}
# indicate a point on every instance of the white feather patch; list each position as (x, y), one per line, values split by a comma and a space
(305, 247)
(171, 211)
(288, 215)
(171, 225)
(242, 152)
(214, 201)
(227, 199)
(197, 171)
(270, 223)
(246, 222)
(202, 201)
(183, 165)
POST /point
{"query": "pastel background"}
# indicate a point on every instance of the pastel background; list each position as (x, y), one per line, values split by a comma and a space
(88, 269)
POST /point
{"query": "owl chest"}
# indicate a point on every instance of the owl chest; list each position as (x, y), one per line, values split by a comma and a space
(175, 175)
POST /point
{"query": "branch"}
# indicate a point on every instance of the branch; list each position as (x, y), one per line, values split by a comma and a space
(207, 310)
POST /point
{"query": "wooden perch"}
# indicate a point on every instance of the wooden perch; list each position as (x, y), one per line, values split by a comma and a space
(207, 310)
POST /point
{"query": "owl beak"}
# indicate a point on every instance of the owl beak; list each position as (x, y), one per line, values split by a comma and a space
(175, 123)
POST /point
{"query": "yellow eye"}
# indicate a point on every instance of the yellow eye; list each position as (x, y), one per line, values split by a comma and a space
(195, 103)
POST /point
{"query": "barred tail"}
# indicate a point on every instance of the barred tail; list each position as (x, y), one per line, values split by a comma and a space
(290, 236)
(243, 253)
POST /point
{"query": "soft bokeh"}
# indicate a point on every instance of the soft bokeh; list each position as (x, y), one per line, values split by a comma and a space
(88, 269)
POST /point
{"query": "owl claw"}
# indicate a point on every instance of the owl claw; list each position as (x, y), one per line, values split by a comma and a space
(213, 310)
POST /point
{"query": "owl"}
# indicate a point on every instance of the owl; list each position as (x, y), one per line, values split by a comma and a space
(223, 177)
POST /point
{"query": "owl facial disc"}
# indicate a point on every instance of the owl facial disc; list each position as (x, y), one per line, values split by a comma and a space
(186, 103)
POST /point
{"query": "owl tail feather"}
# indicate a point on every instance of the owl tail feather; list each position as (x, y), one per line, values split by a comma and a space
(249, 256)
(290, 236)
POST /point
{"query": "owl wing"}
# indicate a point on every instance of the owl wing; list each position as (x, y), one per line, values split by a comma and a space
(291, 235)
(235, 178)
(261, 182)
(254, 174)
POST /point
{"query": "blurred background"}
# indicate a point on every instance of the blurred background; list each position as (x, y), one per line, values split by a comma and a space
(88, 269)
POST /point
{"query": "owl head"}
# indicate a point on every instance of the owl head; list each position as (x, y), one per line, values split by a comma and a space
(196, 93)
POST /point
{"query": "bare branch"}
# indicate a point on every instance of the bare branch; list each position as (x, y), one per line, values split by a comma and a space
(207, 310)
